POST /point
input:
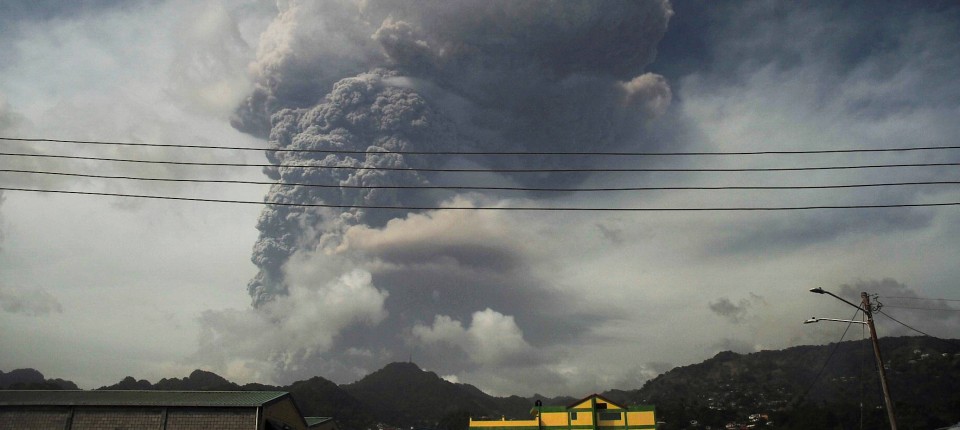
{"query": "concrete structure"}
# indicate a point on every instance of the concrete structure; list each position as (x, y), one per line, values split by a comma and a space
(591, 413)
(154, 410)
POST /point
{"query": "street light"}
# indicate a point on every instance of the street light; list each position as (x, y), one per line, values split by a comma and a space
(819, 290)
(818, 319)
(868, 312)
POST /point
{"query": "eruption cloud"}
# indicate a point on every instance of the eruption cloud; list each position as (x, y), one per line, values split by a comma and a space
(382, 76)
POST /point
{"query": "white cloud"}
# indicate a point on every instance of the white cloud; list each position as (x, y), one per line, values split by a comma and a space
(279, 335)
(208, 72)
(491, 338)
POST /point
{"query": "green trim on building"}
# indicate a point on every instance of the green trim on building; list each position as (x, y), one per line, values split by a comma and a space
(517, 428)
(581, 426)
(642, 408)
(552, 409)
(622, 422)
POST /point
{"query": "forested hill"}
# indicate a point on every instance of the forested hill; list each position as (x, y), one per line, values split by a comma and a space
(924, 377)
(803, 387)
(32, 379)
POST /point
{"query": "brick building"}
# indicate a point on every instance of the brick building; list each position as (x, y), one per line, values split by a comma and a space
(154, 410)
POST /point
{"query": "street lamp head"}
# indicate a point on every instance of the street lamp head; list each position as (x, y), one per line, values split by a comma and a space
(812, 320)
(818, 290)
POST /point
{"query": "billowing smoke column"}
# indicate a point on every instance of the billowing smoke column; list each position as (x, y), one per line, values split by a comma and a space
(381, 76)
(364, 112)
(507, 75)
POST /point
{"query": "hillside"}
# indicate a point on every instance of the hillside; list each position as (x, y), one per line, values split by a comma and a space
(405, 394)
(924, 376)
(32, 379)
(400, 394)
(315, 396)
(786, 387)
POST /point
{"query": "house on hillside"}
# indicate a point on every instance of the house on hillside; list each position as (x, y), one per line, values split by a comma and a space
(163, 410)
(591, 413)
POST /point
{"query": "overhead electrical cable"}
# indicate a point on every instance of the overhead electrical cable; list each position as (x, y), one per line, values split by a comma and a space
(947, 341)
(572, 153)
(833, 351)
(492, 188)
(430, 169)
(921, 298)
(917, 308)
(495, 208)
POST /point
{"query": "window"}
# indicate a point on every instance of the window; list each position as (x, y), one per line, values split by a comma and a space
(609, 416)
(573, 416)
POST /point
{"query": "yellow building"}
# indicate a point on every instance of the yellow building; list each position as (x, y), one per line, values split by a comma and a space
(591, 413)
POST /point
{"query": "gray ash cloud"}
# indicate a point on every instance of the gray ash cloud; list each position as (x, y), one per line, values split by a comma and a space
(381, 76)
(444, 75)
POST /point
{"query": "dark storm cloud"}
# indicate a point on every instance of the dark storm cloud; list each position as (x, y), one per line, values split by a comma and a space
(8, 118)
(727, 309)
(31, 302)
(900, 301)
(15, 15)
(736, 312)
(41, 10)
(723, 40)
(8, 121)
(792, 234)
(796, 76)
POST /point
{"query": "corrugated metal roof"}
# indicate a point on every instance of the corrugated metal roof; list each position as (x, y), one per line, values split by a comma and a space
(138, 398)
(312, 421)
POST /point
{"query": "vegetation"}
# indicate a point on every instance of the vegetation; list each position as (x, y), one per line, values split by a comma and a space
(788, 388)
(769, 389)
(31, 379)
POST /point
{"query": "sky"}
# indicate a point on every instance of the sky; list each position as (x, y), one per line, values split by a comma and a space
(95, 288)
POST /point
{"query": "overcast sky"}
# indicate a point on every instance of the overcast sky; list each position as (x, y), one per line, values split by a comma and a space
(95, 288)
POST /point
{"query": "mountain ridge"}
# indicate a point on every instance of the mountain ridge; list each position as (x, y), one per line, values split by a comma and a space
(793, 387)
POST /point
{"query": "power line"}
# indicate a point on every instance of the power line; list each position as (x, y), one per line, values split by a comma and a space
(918, 331)
(827, 361)
(496, 208)
(921, 298)
(467, 187)
(635, 153)
(921, 309)
(429, 169)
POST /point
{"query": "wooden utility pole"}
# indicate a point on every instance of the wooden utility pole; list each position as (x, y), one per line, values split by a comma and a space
(865, 303)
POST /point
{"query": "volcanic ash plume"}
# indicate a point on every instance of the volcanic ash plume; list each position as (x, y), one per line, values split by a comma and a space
(381, 76)
(363, 113)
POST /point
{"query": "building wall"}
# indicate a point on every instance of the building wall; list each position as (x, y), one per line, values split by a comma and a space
(555, 418)
(85, 418)
(593, 413)
(641, 418)
(127, 418)
(211, 418)
(286, 412)
(41, 418)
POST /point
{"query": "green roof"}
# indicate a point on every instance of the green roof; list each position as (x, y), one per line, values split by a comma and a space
(312, 421)
(550, 409)
(138, 398)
